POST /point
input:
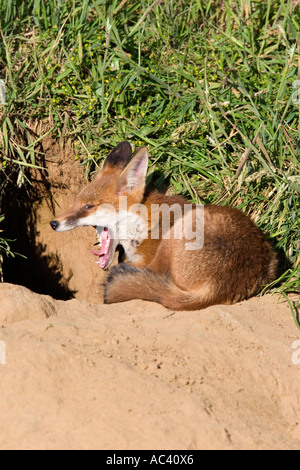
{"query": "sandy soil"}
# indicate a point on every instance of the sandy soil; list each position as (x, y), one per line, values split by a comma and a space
(137, 376)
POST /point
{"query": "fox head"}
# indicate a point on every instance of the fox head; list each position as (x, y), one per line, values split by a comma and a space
(122, 174)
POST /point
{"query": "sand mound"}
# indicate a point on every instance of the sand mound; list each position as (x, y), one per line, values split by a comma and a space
(137, 376)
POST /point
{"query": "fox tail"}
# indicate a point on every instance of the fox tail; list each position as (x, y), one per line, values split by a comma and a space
(126, 282)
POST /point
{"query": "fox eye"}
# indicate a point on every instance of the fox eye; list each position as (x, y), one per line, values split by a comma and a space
(88, 207)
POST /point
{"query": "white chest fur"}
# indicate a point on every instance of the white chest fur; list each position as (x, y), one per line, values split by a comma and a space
(132, 230)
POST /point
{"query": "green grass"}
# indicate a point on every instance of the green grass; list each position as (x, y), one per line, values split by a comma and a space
(209, 86)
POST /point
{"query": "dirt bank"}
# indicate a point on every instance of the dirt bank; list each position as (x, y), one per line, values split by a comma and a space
(137, 376)
(60, 265)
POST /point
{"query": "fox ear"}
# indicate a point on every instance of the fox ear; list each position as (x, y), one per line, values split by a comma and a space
(133, 177)
(119, 156)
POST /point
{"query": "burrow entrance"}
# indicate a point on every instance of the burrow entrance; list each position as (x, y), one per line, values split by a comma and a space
(55, 264)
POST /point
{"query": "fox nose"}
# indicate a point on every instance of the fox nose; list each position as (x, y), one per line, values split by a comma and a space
(54, 224)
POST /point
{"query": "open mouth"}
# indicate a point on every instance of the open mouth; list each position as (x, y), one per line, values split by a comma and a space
(105, 252)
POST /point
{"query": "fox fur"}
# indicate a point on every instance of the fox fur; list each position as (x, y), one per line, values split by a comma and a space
(234, 263)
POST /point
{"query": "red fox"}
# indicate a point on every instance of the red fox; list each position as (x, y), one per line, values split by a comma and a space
(228, 260)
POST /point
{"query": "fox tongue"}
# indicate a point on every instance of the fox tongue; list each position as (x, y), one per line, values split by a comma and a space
(104, 244)
(103, 253)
